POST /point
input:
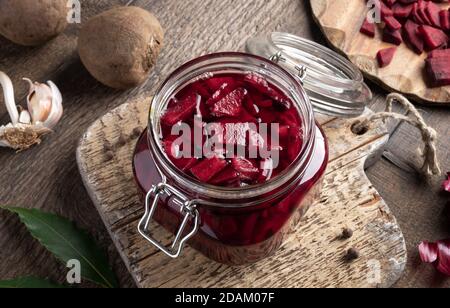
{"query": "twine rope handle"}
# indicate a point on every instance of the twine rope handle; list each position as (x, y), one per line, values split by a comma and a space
(413, 117)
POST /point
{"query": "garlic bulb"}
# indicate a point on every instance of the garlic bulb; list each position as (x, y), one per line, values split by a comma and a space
(44, 103)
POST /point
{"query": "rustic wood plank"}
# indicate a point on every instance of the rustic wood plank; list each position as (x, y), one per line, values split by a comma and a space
(341, 21)
(312, 257)
(47, 177)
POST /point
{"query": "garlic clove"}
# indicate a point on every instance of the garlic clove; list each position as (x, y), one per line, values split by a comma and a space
(57, 108)
(39, 101)
(24, 117)
(8, 92)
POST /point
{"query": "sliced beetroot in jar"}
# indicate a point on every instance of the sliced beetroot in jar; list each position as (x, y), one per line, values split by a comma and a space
(261, 84)
(433, 38)
(208, 168)
(385, 56)
(181, 111)
(230, 105)
(226, 176)
(368, 28)
(247, 171)
(231, 108)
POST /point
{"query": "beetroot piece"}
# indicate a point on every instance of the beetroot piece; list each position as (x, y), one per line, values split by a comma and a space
(415, 41)
(226, 176)
(438, 70)
(384, 10)
(392, 23)
(368, 28)
(433, 38)
(393, 37)
(432, 11)
(402, 11)
(246, 170)
(444, 16)
(181, 111)
(439, 53)
(208, 168)
(230, 105)
(390, 3)
(260, 84)
(385, 56)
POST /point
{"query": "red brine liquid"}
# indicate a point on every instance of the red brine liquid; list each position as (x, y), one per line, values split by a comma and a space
(234, 235)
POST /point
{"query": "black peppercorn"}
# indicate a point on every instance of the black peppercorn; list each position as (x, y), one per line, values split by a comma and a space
(352, 254)
(109, 155)
(136, 132)
(122, 140)
(347, 233)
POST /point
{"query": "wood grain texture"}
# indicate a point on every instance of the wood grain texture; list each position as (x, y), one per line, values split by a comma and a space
(47, 176)
(341, 20)
(312, 257)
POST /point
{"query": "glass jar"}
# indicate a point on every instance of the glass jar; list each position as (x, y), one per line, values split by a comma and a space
(232, 225)
(229, 225)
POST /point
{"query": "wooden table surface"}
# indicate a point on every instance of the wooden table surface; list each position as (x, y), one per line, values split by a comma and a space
(46, 176)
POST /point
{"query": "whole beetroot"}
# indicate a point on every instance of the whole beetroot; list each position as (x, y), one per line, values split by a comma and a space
(119, 47)
(32, 22)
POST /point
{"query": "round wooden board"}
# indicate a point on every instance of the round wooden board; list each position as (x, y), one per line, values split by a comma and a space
(312, 257)
(341, 20)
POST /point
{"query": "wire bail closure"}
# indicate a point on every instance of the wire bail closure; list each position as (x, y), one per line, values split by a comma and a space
(188, 207)
(302, 70)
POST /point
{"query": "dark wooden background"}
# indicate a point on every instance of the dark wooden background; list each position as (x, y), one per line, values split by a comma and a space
(46, 176)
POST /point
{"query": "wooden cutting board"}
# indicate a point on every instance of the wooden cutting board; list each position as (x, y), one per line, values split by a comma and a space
(312, 257)
(341, 20)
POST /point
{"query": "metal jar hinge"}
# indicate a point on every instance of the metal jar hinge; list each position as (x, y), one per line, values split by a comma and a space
(188, 207)
(301, 70)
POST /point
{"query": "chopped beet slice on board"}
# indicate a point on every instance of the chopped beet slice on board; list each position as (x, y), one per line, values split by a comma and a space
(368, 28)
(180, 111)
(208, 168)
(438, 70)
(393, 37)
(432, 11)
(412, 36)
(392, 23)
(401, 10)
(385, 56)
(444, 16)
(433, 37)
(439, 53)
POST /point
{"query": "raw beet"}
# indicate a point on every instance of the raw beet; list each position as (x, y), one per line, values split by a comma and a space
(392, 23)
(233, 103)
(401, 10)
(438, 70)
(411, 33)
(432, 11)
(392, 36)
(368, 28)
(385, 56)
(433, 37)
(444, 16)
(439, 53)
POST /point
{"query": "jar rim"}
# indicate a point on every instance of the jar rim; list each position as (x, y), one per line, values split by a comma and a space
(165, 92)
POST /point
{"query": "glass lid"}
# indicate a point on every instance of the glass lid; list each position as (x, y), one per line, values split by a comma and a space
(335, 85)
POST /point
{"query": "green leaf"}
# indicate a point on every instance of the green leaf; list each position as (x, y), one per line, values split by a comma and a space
(29, 283)
(66, 242)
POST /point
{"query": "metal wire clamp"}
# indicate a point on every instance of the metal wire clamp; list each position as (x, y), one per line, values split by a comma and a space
(188, 207)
